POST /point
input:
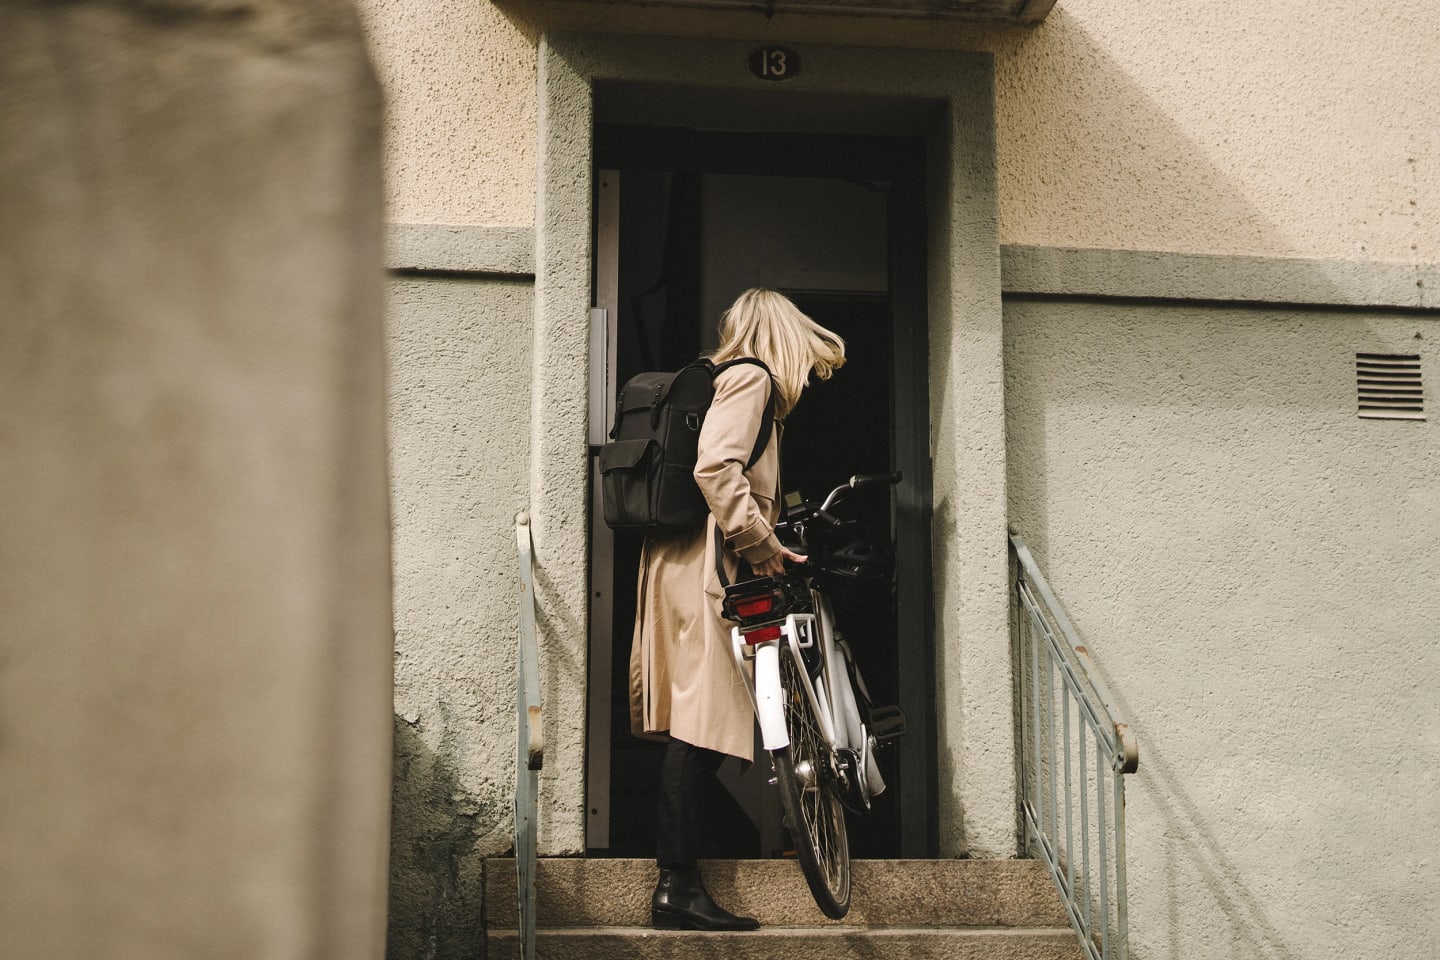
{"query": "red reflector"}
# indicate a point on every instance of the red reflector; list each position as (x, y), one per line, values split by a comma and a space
(771, 632)
(754, 606)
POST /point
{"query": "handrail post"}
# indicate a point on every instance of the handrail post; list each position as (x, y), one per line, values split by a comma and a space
(529, 740)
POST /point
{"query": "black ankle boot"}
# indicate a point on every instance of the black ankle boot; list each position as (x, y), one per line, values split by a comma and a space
(682, 903)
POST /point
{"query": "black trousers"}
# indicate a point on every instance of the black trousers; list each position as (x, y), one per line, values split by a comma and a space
(685, 776)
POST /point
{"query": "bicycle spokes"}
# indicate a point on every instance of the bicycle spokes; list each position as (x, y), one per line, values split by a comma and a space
(809, 793)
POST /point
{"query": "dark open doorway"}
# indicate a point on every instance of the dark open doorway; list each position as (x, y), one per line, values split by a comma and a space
(837, 223)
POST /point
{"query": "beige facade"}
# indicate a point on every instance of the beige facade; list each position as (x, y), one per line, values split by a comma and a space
(1168, 233)
(1291, 129)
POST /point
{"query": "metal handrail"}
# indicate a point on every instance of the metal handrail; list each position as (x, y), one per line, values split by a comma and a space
(1057, 679)
(529, 740)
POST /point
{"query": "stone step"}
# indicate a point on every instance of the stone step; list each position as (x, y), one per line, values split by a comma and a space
(602, 893)
(796, 943)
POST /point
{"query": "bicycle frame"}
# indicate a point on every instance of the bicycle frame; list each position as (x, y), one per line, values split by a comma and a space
(784, 641)
(830, 694)
(775, 620)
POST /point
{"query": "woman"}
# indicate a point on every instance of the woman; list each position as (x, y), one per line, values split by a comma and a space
(683, 680)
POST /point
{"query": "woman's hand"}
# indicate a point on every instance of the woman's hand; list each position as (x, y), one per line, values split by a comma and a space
(775, 564)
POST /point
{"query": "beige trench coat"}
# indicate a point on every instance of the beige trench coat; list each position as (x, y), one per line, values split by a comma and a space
(683, 677)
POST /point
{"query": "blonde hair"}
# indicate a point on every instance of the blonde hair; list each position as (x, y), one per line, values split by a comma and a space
(765, 325)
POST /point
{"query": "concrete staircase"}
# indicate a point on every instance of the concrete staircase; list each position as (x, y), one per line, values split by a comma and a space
(922, 909)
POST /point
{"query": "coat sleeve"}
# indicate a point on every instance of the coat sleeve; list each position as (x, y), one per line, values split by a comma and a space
(727, 439)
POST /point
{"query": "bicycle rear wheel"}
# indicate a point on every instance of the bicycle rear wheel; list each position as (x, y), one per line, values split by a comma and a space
(810, 800)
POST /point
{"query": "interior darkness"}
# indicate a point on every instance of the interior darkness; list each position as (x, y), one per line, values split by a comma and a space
(841, 427)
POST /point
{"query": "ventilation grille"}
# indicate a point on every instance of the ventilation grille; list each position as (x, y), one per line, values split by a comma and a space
(1389, 386)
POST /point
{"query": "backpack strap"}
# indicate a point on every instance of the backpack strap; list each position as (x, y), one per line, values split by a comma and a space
(762, 440)
(767, 422)
(740, 574)
(619, 412)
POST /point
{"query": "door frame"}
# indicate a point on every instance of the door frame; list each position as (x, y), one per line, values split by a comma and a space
(974, 740)
(901, 162)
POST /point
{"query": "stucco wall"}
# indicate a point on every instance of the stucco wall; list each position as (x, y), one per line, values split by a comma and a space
(1291, 128)
(1254, 567)
(459, 432)
(459, 82)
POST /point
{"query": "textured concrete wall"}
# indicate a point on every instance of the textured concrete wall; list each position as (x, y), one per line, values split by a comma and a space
(1289, 128)
(459, 429)
(1254, 568)
(459, 81)
(194, 537)
(1293, 128)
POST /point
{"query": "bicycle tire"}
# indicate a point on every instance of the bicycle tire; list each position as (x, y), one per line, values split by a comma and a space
(810, 799)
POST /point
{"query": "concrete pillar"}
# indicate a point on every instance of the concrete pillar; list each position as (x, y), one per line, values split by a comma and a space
(195, 632)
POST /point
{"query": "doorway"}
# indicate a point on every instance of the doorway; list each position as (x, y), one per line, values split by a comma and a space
(685, 220)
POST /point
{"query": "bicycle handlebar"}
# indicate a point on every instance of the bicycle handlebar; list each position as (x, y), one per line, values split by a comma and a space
(868, 480)
(855, 483)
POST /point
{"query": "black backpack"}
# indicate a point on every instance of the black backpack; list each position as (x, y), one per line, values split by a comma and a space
(647, 469)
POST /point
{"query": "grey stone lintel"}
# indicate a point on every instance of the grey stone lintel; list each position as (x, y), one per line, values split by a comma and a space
(1034, 270)
(1156, 275)
(443, 248)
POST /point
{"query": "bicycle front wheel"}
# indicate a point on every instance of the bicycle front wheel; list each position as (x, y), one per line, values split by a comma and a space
(810, 799)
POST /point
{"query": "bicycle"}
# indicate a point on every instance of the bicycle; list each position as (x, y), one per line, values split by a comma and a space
(815, 715)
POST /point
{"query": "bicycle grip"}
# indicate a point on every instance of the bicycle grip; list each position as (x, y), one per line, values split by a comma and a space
(871, 479)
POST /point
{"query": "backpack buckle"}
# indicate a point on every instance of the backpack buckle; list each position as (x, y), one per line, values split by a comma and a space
(692, 420)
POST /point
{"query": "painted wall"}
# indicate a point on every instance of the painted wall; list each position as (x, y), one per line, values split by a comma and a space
(1295, 128)
(459, 352)
(1252, 565)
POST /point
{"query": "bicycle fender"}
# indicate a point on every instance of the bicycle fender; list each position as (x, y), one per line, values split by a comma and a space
(769, 698)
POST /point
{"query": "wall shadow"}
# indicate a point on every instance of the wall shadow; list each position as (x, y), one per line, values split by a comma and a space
(436, 880)
(1192, 847)
(1088, 158)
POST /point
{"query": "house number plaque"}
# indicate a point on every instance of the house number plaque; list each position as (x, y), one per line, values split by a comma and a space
(775, 63)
